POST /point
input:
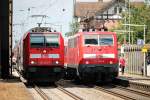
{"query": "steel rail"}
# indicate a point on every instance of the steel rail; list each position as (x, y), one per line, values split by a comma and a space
(131, 84)
(37, 89)
(113, 93)
(20, 76)
(143, 93)
(41, 93)
(69, 93)
(141, 86)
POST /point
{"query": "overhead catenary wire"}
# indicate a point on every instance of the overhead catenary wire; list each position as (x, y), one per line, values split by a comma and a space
(42, 12)
(41, 9)
(36, 8)
(49, 6)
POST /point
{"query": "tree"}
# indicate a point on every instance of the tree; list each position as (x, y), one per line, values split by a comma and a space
(138, 15)
(74, 27)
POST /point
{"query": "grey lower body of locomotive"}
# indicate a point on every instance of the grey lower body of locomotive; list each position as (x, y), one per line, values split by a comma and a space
(43, 74)
(93, 72)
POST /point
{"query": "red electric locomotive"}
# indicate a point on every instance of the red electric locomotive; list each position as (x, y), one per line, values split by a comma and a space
(40, 55)
(92, 56)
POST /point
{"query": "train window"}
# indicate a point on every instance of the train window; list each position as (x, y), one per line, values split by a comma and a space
(91, 39)
(52, 40)
(37, 41)
(72, 43)
(69, 44)
(75, 42)
(105, 40)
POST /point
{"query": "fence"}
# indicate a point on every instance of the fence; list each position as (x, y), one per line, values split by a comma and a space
(134, 58)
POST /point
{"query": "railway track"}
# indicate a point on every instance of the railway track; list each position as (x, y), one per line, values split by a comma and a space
(124, 93)
(36, 88)
(143, 93)
(118, 91)
(113, 93)
(75, 97)
(46, 97)
(140, 86)
(135, 85)
(41, 93)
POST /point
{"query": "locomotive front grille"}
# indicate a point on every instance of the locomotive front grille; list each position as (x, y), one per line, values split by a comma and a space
(45, 70)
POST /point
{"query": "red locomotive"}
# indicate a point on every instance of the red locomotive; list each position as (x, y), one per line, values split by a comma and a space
(92, 56)
(40, 55)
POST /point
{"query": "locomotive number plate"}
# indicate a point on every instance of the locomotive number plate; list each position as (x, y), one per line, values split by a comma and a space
(44, 55)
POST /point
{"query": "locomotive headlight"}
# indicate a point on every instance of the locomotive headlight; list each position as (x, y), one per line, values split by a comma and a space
(32, 62)
(111, 62)
(57, 62)
(87, 62)
(44, 51)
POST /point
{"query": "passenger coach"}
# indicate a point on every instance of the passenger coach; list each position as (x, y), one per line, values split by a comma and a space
(40, 56)
(92, 56)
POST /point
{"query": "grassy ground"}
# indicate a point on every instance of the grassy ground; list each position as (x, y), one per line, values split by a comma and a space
(10, 90)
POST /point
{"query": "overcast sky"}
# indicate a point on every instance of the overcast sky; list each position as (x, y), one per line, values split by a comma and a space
(58, 12)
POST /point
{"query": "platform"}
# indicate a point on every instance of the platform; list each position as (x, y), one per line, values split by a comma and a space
(13, 89)
(135, 78)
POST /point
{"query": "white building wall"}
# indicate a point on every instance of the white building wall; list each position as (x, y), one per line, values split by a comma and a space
(111, 10)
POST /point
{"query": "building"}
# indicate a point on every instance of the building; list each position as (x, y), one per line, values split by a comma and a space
(99, 14)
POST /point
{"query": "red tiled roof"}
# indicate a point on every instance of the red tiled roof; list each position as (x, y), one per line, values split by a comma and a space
(88, 9)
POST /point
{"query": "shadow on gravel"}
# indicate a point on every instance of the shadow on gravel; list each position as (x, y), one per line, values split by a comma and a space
(121, 82)
(40, 84)
(83, 84)
(11, 79)
(79, 84)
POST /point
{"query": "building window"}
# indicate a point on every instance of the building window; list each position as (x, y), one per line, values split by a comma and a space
(120, 10)
(115, 10)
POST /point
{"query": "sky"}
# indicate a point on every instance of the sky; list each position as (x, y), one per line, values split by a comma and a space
(59, 15)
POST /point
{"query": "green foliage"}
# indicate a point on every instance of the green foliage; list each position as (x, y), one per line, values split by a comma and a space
(74, 27)
(139, 15)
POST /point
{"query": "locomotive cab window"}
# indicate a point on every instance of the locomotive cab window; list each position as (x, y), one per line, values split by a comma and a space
(44, 40)
(105, 40)
(91, 39)
(98, 40)
(52, 40)
(36, 41)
